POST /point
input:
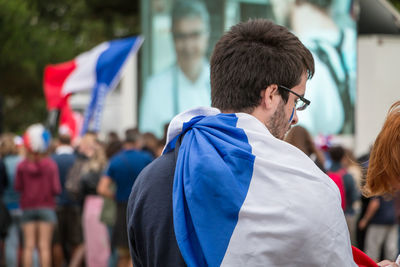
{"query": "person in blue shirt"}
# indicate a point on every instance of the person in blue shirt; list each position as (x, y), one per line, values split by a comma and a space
(382, 229)
(11, 159)
(122, 170)
(352, 194)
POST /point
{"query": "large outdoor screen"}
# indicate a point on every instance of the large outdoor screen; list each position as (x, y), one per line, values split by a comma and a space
(180, 36)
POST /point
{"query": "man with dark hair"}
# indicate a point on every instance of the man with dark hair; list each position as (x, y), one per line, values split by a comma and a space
(227, 190)
(185, 84)
(122, 170)
(132, 136)
(68, 233)
(337, 154)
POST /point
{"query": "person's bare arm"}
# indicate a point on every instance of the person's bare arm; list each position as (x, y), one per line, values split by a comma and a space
(373, 206)
(387, 263)
(103, 188)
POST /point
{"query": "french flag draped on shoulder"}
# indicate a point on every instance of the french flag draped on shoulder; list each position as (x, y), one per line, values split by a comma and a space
(98, 71)
(241, 197)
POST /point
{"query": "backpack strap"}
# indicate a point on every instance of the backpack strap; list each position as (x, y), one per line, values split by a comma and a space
(342, 172)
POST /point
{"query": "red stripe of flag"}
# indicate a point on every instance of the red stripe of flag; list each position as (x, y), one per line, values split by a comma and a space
(53, 82)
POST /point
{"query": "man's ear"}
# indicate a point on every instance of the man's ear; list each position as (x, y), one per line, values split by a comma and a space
(270, 100)
(270, 97)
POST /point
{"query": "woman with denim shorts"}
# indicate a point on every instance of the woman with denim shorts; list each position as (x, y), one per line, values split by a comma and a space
(38, 183)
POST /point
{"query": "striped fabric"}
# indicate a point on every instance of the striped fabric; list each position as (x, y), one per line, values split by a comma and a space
(97, 70)
(241, 197)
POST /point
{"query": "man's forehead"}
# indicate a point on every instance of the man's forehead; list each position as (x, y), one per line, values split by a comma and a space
(301, 87)
(189, 24)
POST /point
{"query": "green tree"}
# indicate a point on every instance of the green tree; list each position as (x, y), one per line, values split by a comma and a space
(34, 33)
(396, 4)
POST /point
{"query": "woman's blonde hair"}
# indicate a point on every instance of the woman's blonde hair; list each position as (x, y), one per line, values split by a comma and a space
(384, 165)
(98, 159)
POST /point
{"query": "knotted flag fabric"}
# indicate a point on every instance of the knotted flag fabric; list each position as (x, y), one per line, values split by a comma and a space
(241, 197)
(97, 71)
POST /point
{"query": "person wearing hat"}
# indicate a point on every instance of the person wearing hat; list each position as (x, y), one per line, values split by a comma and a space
(38, 183)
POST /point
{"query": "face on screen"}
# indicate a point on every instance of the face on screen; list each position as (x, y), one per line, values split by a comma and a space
(190, 39)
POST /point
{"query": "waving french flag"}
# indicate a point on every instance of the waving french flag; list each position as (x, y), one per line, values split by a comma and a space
(98, 71)
(241, 197)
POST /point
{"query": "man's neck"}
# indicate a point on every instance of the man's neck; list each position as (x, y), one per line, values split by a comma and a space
(131, 146)
(64, 149)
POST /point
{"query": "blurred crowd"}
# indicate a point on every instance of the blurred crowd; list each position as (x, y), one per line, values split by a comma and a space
(373, 222)
(63, 202)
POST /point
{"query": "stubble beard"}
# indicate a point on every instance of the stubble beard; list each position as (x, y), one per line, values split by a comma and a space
(277, 125)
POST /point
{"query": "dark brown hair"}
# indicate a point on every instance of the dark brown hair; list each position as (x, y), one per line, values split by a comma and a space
(132, 135)
(64, 139)
(337, 153)
(252, 56)
(301, 138)
(383, 174)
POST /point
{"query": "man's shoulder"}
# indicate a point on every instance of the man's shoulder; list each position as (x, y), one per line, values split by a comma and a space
(48, 163)
(144, 155)
(154, 180)
(64, 156)
(117, 157)
(150, 221)
(132, 155)
(156, 172)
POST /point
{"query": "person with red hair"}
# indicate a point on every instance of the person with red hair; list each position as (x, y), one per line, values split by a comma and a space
(383, 176)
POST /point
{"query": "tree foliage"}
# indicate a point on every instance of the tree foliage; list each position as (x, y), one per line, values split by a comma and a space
(396, 4)
(34, 33)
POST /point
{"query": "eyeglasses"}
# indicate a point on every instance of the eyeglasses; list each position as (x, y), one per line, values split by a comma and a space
(190, 35)
(301, 103)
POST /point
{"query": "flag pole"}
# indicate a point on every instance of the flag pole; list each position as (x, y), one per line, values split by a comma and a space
(53, 117)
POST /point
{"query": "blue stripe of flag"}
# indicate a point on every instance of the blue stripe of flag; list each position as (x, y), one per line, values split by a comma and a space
(212, 177)
(108, 69)
(112, 59)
